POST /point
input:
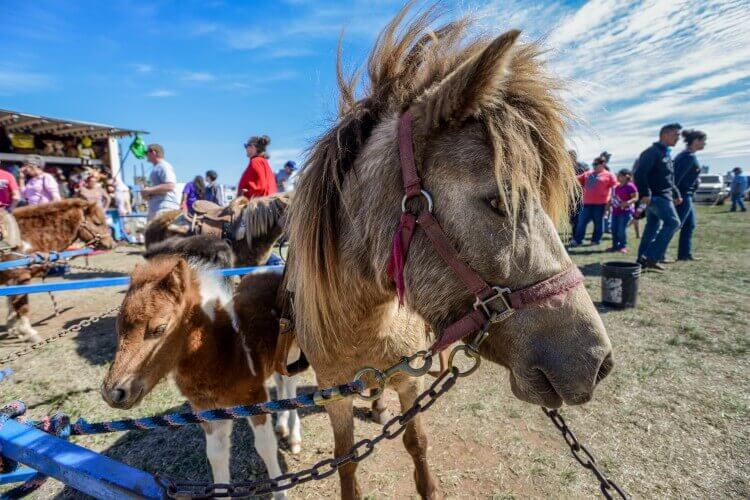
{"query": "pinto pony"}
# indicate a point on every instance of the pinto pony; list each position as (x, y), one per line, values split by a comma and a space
(179, 317)
(51, 227)
(252, 233)
(487, 131)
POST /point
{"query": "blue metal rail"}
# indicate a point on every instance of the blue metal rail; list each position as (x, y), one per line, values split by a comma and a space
(117, 281)
(82, 469)
(40, 259)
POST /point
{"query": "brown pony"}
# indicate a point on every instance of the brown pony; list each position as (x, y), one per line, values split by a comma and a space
(489, 143)
(51, 227)
(254, 232)
(179, 317)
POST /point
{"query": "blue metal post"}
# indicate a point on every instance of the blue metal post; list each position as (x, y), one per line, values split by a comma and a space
(79, 468)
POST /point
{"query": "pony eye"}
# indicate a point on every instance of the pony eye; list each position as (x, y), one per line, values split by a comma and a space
(159, 330)
(497, 206)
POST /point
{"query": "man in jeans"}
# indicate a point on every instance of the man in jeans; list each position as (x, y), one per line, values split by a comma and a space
(161, 195)
(656, 188)
(737, 190)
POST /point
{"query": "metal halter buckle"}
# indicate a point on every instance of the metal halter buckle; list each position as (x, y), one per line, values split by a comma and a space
(426, 196)
(495, 316)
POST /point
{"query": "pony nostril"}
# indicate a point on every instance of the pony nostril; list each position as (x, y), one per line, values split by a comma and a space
(117, 395)
(605, 367)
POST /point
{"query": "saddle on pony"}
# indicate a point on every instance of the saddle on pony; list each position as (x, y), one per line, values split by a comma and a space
(210, 219)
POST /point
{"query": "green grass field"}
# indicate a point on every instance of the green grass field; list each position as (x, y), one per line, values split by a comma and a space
(671, 421)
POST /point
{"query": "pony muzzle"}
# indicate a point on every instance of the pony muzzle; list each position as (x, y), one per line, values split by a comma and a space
(123, 395)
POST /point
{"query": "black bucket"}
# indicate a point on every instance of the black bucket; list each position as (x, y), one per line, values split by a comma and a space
(620, 283)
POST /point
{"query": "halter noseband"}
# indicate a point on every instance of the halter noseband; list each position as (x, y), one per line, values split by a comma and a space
(96, 237)
(482, 315)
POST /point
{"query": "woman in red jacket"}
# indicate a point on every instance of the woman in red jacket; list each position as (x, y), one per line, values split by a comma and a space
(257, 179)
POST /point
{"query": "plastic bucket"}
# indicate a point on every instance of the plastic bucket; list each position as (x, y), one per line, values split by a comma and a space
(620, 283)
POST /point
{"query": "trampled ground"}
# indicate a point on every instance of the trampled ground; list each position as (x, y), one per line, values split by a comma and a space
(672, 420)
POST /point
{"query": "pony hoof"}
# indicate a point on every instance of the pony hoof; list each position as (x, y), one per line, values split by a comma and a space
(295, 447)
(33, 338)
(282, 430)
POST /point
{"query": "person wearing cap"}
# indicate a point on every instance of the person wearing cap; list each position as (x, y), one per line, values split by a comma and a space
(654, 178)
(214, 190)
(737, 190)
(37, 186)
(286, 177)
(161, 195)
(257, 179)
(10, 195)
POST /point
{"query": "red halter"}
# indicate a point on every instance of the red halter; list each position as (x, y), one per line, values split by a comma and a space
(479, 319)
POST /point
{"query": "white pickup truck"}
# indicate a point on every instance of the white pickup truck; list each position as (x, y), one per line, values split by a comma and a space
(711, 189)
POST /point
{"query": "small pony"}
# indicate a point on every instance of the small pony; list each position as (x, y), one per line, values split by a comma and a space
(179, 316)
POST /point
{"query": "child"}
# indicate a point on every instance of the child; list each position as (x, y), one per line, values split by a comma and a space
(623, 206)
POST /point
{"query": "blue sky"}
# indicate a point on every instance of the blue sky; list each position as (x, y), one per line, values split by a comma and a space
(203, 76)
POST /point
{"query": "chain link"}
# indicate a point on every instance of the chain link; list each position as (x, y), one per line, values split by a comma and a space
(327, 467)
(96, 269)
(71, 329)
(587, 460)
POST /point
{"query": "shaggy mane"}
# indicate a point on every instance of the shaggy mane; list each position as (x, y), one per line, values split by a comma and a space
(47, 209)
(524, 123)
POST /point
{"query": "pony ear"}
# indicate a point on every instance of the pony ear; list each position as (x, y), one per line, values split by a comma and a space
(176, 280)
(475, 83)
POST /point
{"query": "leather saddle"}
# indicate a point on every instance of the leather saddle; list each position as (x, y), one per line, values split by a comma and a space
(208, 218)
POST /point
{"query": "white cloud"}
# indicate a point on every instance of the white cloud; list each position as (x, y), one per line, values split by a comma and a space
(143, 68)
(198, 76)
(15, 81)
(161, 93)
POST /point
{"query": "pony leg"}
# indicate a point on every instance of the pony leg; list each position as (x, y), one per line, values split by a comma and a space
(25, 331)
(380, 413)
(282, 419)
(266, 446)
(341, 414)
(415, 441)
(218, 448)
(295, 440)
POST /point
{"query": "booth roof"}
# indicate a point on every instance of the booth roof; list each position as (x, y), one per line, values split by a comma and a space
(15, 122)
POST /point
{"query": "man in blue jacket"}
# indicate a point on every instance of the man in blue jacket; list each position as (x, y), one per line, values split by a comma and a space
(737, 189)
(656, 188)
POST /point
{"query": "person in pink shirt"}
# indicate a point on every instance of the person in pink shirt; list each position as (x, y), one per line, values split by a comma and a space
(10, 195)
(597, 187)
(623, 208)
(39, 187)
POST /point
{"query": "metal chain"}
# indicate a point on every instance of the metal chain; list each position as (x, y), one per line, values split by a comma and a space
(327, 467)
(587, 460)
(71, 329)
(96, 269)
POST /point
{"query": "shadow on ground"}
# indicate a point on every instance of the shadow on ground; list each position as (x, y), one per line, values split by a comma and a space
(96, 343)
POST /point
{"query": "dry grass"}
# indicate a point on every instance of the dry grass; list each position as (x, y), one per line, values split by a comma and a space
(671, 421)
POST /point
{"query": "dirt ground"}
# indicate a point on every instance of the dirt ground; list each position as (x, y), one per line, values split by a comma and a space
(671, 421)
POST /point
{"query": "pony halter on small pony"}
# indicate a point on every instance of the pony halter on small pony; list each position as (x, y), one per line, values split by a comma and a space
(487, 297)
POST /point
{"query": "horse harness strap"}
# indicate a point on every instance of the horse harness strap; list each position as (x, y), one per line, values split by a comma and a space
(483, 314)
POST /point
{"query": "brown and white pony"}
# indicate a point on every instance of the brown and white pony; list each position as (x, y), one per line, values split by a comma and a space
(489, 142)
(50, 227)
(178, 317)
(253, 233)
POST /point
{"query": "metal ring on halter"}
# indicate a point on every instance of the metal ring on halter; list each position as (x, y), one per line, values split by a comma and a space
(469, 353)
(379, 377)
(426, 196)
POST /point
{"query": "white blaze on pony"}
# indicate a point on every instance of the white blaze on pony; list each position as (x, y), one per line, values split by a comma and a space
(179, 318)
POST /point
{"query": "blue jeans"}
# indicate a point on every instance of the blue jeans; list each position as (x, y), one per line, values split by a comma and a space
(686, 213)
(737, 200)
(589, 213)
(661, 223)
(620, 230)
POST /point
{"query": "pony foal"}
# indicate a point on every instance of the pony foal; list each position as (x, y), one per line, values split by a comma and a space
(179, 317)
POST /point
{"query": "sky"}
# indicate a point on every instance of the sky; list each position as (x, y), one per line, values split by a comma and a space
(203, 76)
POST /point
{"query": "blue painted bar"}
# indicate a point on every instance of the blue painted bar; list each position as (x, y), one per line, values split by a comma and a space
(17, 476)
(35, 259)
(5, 374)
(79, 468)
(64, 286)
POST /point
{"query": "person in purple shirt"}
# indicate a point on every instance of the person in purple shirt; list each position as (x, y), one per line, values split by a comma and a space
(623, 207)
(194, 190)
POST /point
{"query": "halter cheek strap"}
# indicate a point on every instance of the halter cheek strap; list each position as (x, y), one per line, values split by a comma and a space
(487, 297)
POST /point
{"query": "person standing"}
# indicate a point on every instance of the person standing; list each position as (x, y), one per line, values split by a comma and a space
(623, 207)
(194, 190)
(737, 190)
(597, 187)
(257, 179)
(161, 195)
(687, 174)
(575, 210)
(286, 177)
(654, 178)
(92, 190)
(37, 186)
(10, 195)
(214, 190)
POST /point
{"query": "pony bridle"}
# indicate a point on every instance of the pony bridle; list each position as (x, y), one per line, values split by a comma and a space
(487, 297)
(96, 237)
